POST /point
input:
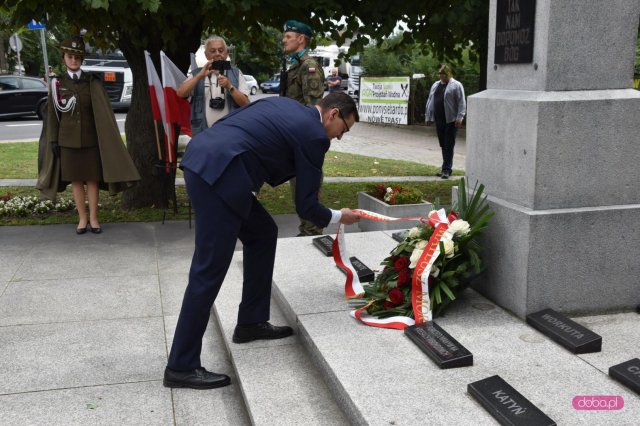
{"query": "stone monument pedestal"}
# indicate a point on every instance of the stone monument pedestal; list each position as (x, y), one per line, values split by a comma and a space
(556, 144)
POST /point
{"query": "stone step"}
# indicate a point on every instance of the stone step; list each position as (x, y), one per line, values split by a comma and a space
(279, 382)
(379, 376)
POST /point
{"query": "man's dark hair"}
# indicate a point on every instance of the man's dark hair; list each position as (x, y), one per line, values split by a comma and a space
(343, 102)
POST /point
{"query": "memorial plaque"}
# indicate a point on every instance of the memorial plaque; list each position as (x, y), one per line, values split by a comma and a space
(400, 236)
(443, 349)
(515, 21)
(568, 333)
(324, 244)
(506, 404)
(365, 274)
(627, 373)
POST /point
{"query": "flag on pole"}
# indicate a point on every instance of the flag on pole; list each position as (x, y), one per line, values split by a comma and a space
(177, 108)
(157, 98)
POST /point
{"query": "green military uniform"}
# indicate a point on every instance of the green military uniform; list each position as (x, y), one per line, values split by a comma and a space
(305, 80)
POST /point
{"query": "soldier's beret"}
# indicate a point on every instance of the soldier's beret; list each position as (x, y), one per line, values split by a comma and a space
(298, 27)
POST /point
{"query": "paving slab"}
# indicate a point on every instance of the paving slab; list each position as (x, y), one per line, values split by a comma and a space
(278, 380)
(364, 366)
(620, 338)
(63, 300)
(314, 283)
(89, 353)
(223, 406)
(144, 403)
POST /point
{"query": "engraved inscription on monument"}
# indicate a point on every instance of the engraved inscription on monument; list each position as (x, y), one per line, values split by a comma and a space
(505, 404)
(365, 274)
(514, 31)
(443, 349)
(324, 244)
(568, 333)
(627, 373)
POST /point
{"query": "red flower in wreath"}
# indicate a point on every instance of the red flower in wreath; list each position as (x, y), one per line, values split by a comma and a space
(404, 277)
(401, 263)
(396, 296)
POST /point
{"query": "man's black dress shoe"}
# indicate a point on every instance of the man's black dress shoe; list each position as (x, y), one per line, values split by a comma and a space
(198, 378)
(439, 174)
(445, 175)
(260, 331)
(81, 231)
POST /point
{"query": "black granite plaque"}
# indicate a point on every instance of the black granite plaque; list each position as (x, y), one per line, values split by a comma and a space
(400, 236)
(568, 333)
(443, 349)
(365, 274)
(324, 244)
(627, 373)
(515, 21)
(506, 404)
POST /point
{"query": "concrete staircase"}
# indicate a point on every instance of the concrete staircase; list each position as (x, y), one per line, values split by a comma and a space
(338, 371)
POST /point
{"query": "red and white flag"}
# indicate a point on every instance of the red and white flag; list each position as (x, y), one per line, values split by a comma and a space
(156, 94)
(177, 108)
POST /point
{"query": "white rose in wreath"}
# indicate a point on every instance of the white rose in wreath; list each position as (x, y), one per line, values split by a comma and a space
(459, 227)
(414, 232)
(449, 248)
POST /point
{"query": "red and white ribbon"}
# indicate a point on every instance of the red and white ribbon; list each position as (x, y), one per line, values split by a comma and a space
(420, 281)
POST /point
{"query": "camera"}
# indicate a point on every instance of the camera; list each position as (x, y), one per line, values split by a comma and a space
(216, 103)
(220, 66)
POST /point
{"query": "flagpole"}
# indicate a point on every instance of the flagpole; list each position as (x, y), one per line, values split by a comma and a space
(155, 127)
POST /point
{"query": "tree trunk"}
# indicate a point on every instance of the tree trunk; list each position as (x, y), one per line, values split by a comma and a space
(139, 127)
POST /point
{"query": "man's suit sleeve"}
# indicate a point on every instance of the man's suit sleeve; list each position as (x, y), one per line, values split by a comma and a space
(309, 158)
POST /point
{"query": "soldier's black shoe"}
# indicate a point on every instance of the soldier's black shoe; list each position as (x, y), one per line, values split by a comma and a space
(198, 378)
(260, 331)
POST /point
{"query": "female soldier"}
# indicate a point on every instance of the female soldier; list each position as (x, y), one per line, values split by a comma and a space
(84, 137)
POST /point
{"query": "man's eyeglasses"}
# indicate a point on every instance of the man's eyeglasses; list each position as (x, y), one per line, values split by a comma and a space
(346, 126)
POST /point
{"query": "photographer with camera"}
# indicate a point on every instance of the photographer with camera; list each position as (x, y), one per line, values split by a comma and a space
(216, 89)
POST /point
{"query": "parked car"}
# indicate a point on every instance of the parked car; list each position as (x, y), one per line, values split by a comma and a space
(252, 84)
(22, 96)
(272, 85)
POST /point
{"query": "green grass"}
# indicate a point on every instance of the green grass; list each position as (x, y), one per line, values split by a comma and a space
(20, 160)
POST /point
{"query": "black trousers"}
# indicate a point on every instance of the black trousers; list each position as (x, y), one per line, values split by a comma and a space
(217, 229)
(447, 139)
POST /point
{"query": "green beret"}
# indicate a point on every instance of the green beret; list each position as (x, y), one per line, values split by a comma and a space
(298, 27)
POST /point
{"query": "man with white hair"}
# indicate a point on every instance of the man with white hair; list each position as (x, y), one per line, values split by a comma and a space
(216, 89)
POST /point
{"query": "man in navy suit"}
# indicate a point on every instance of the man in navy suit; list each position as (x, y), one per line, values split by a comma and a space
(271, 140)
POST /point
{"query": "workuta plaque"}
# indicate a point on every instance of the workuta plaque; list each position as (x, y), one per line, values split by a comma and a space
(627, 373)
(568, 333)
(365, 274)
(443, 349)
(507, 405)
(324, 244)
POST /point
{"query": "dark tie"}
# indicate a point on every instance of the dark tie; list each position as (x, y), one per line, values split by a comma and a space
(75, 77)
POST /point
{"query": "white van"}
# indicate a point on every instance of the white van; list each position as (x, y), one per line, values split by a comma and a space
(116, 77)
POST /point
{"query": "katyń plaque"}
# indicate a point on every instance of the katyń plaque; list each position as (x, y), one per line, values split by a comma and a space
(627, 373)
(514, 31)
(507, 405)
(400, 236)
(365, 274)
(324, 244)
(568, 333)
(443, 349)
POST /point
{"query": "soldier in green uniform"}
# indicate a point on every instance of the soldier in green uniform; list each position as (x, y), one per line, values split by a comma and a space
(304, 83)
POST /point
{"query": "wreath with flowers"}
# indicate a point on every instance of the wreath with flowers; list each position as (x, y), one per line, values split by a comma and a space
(459, 260)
